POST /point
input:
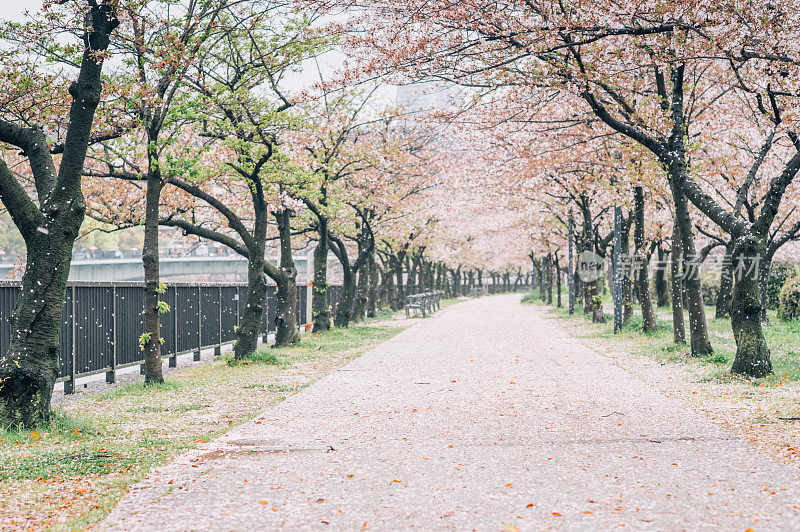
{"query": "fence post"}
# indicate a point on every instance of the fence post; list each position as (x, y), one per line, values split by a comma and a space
(218, 349)
(142, 367)
(199, 324)
(173, 359)
(111, 376)
(69, 385)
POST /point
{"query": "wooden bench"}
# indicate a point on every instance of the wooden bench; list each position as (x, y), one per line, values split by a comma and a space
(426, 302)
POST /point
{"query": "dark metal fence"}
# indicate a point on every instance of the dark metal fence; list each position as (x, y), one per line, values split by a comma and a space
(102, 323)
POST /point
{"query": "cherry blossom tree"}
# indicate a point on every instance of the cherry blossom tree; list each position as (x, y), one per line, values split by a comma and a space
(50, 216)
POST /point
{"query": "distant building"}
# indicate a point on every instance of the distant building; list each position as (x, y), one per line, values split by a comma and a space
(418, 101)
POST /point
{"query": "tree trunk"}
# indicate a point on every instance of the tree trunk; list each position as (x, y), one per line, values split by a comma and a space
(725, 293)
(388, 281)
(558, 280)
(360, 303)
(752, 353)
(648, 316)
(320, 312)
(372, 291)
(542, 280)
(286, 292)
(400, 292)
(627, 284)
(457, 281)
(764, 267)
(250, 323)
(345, 306)
(152, 280)
(698, 330)
(29, 368)
(676, 275)
(662, 292)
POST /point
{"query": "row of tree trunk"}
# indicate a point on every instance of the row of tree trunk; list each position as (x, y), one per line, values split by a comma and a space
(683, 290)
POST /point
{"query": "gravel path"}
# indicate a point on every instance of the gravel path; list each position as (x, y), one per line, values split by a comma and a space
(485, 416)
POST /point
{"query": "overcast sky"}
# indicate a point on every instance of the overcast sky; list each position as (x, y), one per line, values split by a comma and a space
(15, 9)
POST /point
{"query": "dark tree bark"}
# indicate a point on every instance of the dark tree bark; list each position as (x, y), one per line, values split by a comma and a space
(676, 276)
(287, 332)
(400, 288)
(558, 278)
(150, 260)
(387, 277)
(456, 281)
(725, 294)
(752, 353)
(29, 367)
(366, 243)
(197, 26)
(251, 244)
(698, 330)
(362, 287)
(642, 260)
(320, 313)
(540, 278)
(344, 308)
(660, 281)
(672, 154)
(752, 357)
(374, 282)
(593, 303)
(627, 282)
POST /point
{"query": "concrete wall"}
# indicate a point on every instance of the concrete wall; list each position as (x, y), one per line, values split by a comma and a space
(194, 269)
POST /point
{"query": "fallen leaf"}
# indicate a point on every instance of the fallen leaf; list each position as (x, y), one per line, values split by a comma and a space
(531, 505)
(263, 502)
(556, 514)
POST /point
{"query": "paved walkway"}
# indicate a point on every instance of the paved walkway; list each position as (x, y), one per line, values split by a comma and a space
(486, 416)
